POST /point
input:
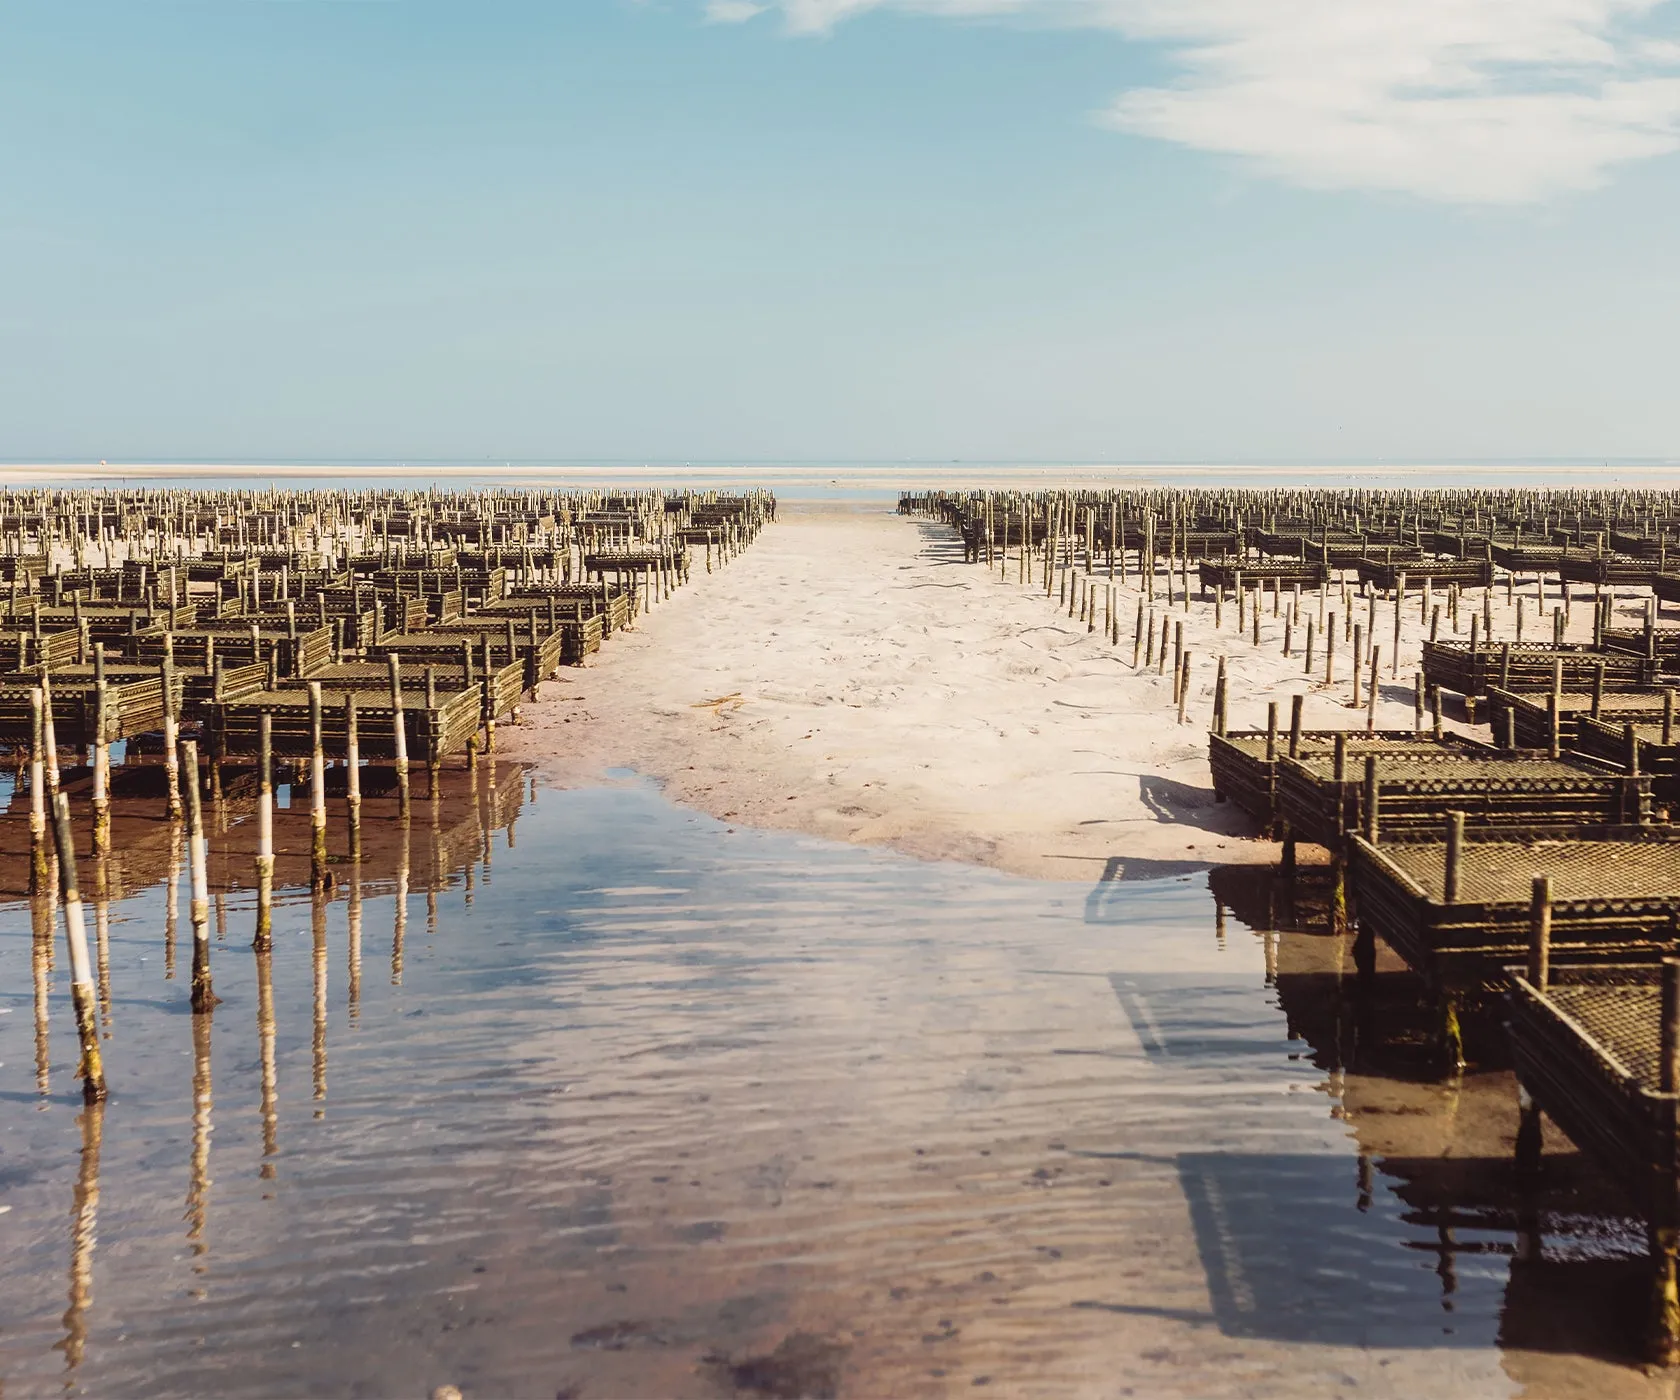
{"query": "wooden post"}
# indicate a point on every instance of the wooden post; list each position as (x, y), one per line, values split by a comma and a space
(1371, 711)
(203, 996)
(1540, 933)
(38, 871)
(1455, 858)
(82, 993)
(353, 775)
(1271, 731)
(1183, 686)
(399, 731)
(317, 791)
(1370, 796)
(1297, 703)
(171, 740)
(1668, 1059)
(101, 766)
(1664, 1231)
(265, 830)
(1399, 597)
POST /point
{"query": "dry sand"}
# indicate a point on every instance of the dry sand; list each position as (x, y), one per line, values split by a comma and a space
(851, 676)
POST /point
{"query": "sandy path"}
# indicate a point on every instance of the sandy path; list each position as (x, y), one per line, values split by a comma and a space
(851, 676)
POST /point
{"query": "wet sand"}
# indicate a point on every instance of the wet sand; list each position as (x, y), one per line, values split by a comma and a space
(851, 676)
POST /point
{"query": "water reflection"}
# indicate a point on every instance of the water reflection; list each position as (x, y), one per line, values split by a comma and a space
(198, 1179)
(353, 922)
(171, 904)
(264, 954)
(1561, 1248)
(84, 1225)
(41, 913)
(673, 1109)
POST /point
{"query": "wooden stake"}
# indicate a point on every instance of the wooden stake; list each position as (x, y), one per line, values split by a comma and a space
(265, 830)
(204, 997)
(82, 993)
(1540, 933)
(317, 791)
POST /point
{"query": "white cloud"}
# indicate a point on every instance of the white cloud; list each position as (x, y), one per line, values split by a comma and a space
(1467, 101)
(732, 11)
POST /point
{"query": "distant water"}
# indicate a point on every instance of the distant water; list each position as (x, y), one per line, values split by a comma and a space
(621, 1100)
(856, 482)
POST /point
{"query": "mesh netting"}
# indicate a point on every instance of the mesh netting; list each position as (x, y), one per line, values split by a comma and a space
(1502, 872)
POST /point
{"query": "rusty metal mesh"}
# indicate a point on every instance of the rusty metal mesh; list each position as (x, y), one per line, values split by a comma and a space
(1502, 872)
(1465, 771)
(1622, 1016)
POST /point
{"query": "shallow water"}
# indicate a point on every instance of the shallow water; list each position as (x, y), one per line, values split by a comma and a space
(619, 1100)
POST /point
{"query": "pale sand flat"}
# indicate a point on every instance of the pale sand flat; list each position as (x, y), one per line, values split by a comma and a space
(850, 676)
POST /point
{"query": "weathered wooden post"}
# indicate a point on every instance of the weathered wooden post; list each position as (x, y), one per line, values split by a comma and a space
(82, 993)
(1452, 873)
(1370, 799)
(38, 870)
(399, 732)
(203, 996)
(1540, 932)
(171, 739)
(317, 791)
(101, 760)
(353, 775)
(265, 831)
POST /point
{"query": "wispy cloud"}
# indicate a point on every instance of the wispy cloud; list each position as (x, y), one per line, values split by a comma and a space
(1467, 101)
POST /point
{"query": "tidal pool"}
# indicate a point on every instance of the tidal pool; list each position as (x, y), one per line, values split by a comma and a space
(577, 1093)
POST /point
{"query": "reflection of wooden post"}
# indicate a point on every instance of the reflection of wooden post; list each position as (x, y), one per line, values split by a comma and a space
(83, 1235)
(318, 936)
(82, 993)
(198, 1180)
(353, 921)
(41, 952)
(265, 1042)
(203, 998)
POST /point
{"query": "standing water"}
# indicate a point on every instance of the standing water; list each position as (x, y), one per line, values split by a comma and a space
(587, 1095)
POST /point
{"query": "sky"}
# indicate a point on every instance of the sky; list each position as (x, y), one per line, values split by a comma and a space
(839, 230)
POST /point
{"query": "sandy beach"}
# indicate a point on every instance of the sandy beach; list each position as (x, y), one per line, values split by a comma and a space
(850, 676)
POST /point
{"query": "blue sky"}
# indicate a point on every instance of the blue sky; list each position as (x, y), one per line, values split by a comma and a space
(1033, 230)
